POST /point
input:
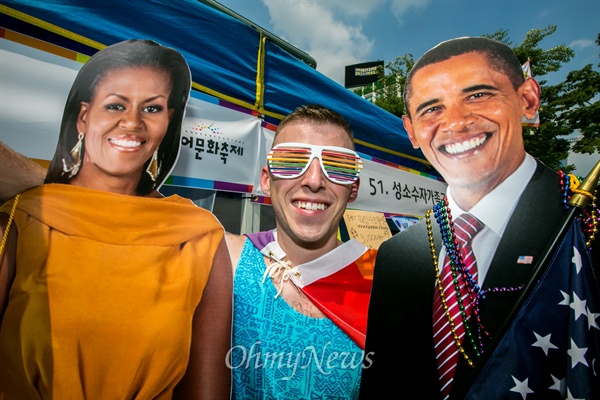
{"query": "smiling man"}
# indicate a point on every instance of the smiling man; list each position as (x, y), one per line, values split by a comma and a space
(465, 114)
(465, 99)
(300, 294)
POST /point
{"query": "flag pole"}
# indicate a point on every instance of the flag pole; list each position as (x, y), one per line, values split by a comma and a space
(578, 201)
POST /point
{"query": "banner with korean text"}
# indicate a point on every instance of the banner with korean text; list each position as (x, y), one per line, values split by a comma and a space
(219, 148)
(389, 188)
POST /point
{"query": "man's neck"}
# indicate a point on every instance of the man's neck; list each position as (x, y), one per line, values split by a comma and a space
(301, 253)
(467, 197)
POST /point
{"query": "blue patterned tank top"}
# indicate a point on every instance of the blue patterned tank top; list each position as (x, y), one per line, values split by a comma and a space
(279, 353)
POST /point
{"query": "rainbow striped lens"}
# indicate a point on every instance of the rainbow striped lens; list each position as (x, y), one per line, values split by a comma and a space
(291, 160)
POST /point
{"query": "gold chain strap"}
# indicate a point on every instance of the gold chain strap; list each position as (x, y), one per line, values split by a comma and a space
(10, 219)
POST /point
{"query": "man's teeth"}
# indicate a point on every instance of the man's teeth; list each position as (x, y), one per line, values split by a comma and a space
(310, 206)
(125, 142)
(456, 148)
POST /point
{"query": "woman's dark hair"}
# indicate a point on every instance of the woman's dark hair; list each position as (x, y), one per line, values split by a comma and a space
(127, 54)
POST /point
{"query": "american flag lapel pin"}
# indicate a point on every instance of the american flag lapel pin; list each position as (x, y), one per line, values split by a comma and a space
(525, 260)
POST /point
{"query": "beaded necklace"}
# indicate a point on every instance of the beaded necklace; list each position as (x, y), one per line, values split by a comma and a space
(443, 217)
(589, 217)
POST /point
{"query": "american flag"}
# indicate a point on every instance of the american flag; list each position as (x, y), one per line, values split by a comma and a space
(552, 348)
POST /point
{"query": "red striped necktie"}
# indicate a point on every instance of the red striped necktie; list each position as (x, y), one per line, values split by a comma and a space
(466, 226)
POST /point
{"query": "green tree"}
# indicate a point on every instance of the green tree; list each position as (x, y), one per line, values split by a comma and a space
(388, 88)
(571, 106)
(566, 108)
(547, 142)
(390, 98)
(578, 107)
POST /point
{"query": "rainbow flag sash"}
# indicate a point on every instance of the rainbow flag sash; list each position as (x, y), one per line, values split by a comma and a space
(338, 283)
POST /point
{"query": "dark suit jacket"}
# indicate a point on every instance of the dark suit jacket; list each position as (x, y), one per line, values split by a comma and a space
(399, 331)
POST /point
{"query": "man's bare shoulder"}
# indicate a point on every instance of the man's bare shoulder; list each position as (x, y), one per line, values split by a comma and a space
(19, 173)
(235, 243)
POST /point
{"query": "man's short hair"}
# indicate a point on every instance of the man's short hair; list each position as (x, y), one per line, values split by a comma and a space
(499, 55)
(315, 114)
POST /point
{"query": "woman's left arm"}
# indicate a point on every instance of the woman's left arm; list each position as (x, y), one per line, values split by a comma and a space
(208, 375)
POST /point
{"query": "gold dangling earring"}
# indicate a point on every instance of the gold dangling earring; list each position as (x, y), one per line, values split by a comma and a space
(153, 168)
(72, 168)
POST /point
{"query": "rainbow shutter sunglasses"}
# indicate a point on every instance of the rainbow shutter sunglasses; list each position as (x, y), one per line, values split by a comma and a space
(291, 160)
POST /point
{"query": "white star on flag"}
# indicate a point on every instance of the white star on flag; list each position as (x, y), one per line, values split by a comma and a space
(521, 387)
(577, 354)
(544, 343)
(576, 259)
(566, 299)
(579, 306)
(592, 319)
(559, 385)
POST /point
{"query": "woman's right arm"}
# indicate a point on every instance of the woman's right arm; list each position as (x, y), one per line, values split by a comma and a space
(7, 260)
(208, 376)
(19, 173)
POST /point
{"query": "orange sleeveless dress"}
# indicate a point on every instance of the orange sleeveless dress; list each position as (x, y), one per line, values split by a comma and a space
(104, 293)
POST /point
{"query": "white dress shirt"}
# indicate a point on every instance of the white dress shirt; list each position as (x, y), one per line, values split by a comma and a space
(494, 210)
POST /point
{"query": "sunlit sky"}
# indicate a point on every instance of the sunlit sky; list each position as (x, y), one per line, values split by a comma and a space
(343, 32)
(337, 33)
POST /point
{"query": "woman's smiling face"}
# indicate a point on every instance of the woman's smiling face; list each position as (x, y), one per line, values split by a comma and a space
(123, 124)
